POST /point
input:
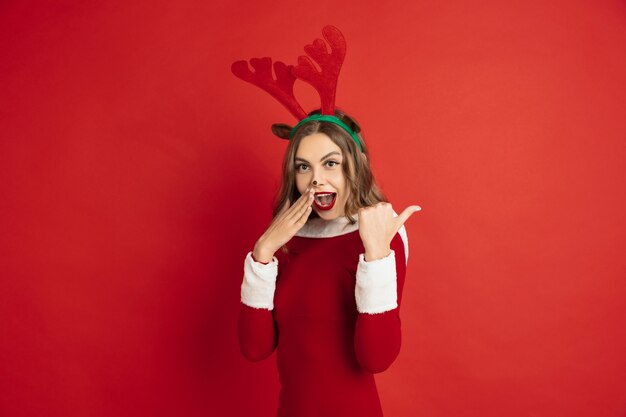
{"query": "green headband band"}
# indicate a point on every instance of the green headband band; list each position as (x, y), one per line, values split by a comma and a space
(330, 119)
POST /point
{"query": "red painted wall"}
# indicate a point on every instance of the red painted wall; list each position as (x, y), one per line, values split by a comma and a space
(136, 172)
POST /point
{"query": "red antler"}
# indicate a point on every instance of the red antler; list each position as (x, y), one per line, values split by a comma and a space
(281, 88)
(325, 82)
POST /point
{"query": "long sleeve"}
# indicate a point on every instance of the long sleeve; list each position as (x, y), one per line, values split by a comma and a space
(256, 327)
(378, 293)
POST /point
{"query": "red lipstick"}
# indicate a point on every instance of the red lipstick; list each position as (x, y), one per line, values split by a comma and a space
(324, 207)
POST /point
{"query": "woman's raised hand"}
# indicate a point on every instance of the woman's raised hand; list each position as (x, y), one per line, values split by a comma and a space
(285, 225)
(378, 226)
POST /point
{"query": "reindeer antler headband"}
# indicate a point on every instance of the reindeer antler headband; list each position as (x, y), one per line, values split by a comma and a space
(325, 82)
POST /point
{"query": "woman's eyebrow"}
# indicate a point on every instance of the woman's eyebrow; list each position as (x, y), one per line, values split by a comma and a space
(328, 155)
(323, 157)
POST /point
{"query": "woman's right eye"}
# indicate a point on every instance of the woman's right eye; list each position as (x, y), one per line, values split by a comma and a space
(301, 167)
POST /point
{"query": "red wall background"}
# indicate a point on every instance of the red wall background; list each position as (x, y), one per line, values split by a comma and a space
(136, 172)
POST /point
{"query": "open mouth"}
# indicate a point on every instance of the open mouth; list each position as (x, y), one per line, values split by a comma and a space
(324, 200)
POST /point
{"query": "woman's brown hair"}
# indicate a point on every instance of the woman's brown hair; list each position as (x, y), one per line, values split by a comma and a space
(363, 191)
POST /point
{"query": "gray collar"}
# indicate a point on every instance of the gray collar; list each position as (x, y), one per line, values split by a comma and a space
(318, 228)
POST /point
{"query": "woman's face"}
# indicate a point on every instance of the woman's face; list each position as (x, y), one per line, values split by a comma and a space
(318, 164)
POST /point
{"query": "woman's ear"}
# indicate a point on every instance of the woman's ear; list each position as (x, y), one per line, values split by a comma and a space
(281, 130)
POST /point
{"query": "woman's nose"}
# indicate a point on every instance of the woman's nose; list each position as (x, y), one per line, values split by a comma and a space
(317, 180)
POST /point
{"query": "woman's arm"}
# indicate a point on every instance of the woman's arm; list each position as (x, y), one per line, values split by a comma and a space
(256, 327)
(258, 335)
(378, 293)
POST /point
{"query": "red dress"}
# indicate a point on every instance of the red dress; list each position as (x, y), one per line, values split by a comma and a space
(331, 330)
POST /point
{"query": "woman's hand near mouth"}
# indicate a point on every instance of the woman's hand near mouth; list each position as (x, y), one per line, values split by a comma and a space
(285, 225)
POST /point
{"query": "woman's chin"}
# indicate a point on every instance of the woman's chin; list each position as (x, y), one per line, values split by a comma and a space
(328, 214)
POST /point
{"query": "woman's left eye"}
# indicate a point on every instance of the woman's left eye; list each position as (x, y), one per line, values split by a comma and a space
(332, 164)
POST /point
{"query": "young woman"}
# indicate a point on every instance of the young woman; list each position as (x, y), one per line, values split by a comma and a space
(324, 282)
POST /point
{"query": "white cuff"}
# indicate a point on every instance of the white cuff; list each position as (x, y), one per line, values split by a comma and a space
(259, 283)
(376, 285)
